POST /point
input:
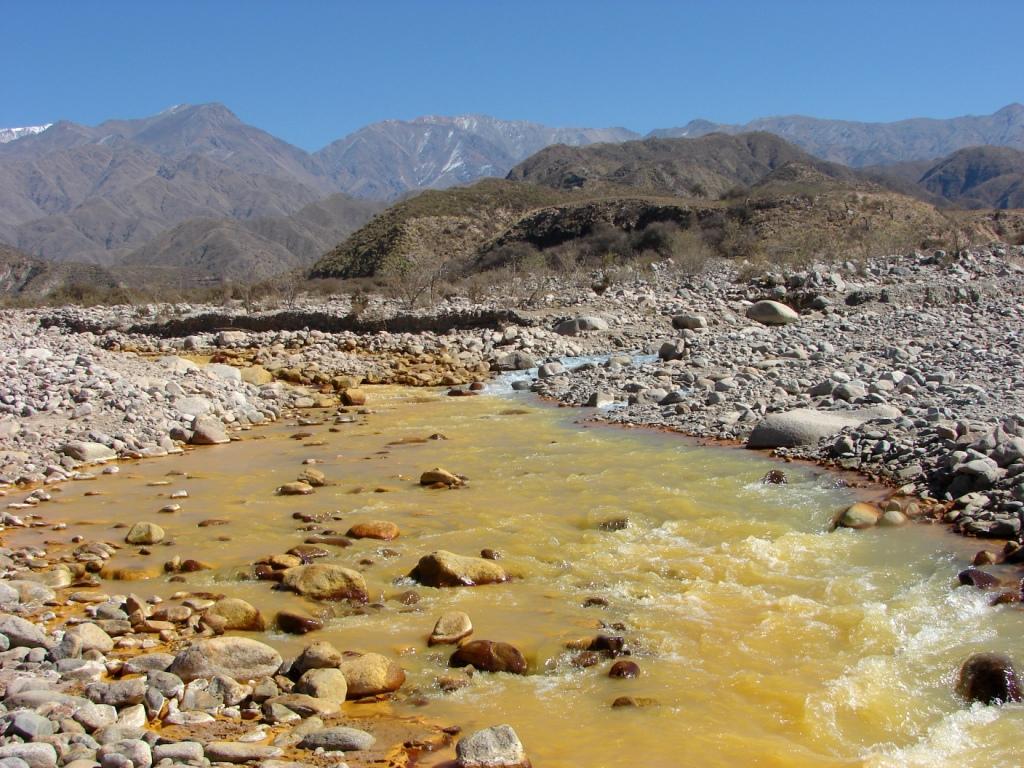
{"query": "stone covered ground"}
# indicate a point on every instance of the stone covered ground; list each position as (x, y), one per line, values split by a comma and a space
(908, 370)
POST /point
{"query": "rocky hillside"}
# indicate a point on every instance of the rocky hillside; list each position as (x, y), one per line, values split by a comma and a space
(706, 167)
(861, 144)
(25, 278)
(256, 249)
(598, 203)
(442, 225)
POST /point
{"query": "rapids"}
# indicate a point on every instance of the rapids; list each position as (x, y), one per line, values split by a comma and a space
(764, 638)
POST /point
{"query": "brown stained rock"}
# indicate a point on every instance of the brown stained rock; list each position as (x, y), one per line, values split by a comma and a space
(489, 656)
(439, 476)
(295, 623)
(307, 552)
(323, 581)
(296, 488)
(450, 628)
(860, 515)
(313, 477)
(238, 615)
(445, 569)
(353, 397)
(374, 529)
(624, 669)
(989, 678)
(371, 674)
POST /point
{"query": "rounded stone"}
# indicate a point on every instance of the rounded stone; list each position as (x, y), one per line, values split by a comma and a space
(989, 678)
(238, 615)
(239, 658)
(445, 569)
(374, 529)
(450, 628)
(860, 515)
(489, 656)
(143, 533)
(370, 674)
(323, 581)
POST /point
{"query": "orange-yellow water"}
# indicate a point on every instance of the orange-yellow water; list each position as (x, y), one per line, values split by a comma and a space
(765, 639)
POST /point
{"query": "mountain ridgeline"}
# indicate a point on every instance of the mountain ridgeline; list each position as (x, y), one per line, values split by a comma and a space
(195, 194)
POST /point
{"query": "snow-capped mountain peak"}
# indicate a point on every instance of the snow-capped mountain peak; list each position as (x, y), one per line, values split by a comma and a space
(10, 134)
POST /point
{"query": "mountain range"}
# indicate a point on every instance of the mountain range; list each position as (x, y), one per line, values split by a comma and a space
(862, 144)
(196, 188)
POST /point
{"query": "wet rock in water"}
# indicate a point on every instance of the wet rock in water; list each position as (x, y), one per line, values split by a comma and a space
(976, 577)
(325, 683)
(490, 554)
(237, 615)
(624, 669)
(313, 477)
(860, 515)
(239, 658)
(370, 674)
(985, 557)
(615, 524)
(323, 581)
(374, 529)
(296, 488)
(989, 678)
(143, 533)
(318, 655)
(338, 739)
(295, 623)
(439, 476)
(445, 569)
(489, 656)
(893, 518)
(769, 312)
(450, 628)
(208, 432)
(353, 397)
(495, 747)
(624, 702)
(774, 477)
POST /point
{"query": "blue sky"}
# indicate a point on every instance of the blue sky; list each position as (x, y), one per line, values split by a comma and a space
(311, 72)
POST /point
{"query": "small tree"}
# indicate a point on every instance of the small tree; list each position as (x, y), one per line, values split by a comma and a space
(415, 275)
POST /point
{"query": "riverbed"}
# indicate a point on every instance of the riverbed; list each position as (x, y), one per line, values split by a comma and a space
(763, 637)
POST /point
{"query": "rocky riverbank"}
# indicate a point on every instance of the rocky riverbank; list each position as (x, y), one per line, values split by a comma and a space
(908, 370)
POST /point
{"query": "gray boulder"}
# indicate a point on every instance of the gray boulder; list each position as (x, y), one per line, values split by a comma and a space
(22, 633)
(239, 658)
(83, 450)
(802, 426)
(578, 325)
(338, 739)
(495, 747)
(769, 312)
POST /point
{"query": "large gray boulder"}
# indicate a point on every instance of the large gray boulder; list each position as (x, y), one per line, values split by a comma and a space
(578, 325)
(495, 747)
(239, 658)
(515, 361)
(84, 450)
(22, 633)
(806, 426)
(769, 312)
